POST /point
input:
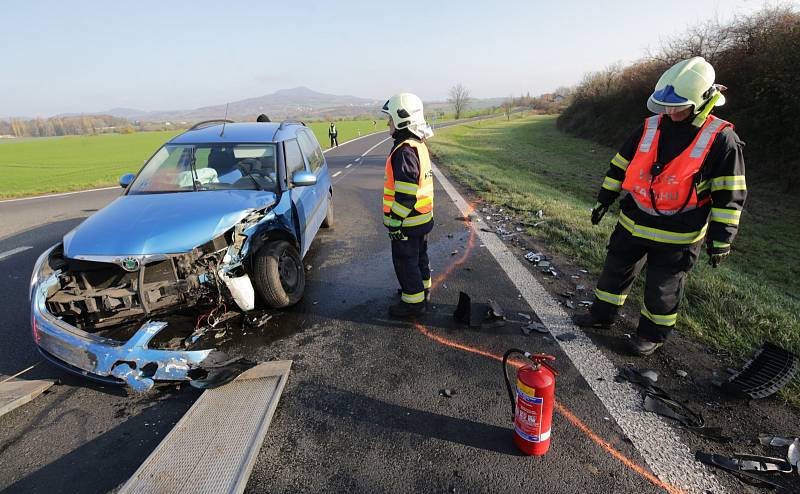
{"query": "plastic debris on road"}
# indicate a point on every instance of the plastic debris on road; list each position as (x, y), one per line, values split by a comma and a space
(770, 369)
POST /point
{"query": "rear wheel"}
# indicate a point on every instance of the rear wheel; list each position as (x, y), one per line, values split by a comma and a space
(328, 221)
(278, 274)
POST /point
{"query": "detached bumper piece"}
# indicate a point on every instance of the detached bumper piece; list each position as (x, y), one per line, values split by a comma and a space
(768, 372)
(754, 469)
(658, 401)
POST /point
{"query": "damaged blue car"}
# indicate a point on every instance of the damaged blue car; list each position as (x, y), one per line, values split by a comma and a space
(215, 224)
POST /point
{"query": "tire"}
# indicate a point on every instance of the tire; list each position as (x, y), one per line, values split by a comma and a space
(278, 274)
(328, 221)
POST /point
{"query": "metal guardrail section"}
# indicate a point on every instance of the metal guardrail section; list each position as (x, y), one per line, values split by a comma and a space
(214, 446)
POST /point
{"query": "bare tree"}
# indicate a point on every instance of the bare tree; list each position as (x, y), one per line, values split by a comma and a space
(459, 98)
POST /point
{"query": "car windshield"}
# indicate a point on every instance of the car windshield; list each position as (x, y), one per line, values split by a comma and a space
(196, 167)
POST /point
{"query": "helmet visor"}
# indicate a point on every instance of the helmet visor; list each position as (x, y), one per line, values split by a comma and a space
(666, 97)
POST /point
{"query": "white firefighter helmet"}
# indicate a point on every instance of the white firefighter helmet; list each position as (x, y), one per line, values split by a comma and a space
(405, 110)
(688, 83)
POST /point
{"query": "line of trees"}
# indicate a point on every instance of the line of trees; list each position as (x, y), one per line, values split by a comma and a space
(61, 126)
(757, 57)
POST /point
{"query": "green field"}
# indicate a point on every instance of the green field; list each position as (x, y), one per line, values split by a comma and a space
(40, 166)
(348, 129)
(527, 164)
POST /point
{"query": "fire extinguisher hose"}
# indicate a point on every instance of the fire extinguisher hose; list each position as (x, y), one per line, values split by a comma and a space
(510, 352)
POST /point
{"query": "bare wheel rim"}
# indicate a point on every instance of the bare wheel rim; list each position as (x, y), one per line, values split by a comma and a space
(287, 271)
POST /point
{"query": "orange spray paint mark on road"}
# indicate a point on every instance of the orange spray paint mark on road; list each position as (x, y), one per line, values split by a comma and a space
(437, 280)
(564, 411)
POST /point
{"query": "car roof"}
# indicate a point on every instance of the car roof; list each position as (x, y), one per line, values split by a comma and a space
(238, 132)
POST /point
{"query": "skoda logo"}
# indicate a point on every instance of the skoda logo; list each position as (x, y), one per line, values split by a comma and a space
(130, 264)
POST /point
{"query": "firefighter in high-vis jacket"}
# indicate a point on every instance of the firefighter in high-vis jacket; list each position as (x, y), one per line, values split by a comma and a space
(682, 173)
(408, 202)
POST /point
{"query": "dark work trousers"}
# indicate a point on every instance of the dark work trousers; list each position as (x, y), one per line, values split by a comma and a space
(410, 259)
(334, 141)
(667, 268)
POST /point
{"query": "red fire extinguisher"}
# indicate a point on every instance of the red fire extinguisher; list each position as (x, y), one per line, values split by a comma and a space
(532, 403)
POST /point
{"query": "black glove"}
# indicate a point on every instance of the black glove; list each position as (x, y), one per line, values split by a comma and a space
(397, 235)
(598, 211)
(717, 251)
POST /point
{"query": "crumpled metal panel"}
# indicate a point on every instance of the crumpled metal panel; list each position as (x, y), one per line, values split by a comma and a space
(99, 356)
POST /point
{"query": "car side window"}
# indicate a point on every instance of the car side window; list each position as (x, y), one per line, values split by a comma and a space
(311, 150)
(294, 158)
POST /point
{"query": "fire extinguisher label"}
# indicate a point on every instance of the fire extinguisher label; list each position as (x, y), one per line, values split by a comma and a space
(528, 422)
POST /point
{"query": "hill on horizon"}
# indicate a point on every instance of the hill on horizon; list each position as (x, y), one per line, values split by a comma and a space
(284, 103)
(298, 102)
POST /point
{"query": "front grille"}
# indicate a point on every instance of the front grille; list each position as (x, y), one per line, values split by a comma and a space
(159, 271)
(770, 370)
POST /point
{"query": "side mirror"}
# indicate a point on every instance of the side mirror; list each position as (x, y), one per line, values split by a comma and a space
(302, 179)
(125, 180)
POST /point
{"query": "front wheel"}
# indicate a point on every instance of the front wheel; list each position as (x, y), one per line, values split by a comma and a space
(278, 274)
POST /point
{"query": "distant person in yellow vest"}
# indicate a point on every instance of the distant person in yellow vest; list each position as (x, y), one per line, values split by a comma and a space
(683, 176)
(334, 135)
(408, 202)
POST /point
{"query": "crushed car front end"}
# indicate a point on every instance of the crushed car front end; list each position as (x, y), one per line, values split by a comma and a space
(92, 318)
(138, 319)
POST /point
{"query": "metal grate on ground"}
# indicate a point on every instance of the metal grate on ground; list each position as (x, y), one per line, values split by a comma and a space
(214, 446)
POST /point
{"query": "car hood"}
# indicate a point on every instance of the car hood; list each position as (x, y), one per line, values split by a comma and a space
(171, 223)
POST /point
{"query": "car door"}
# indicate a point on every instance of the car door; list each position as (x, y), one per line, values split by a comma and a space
(317, 165)
(303, 198)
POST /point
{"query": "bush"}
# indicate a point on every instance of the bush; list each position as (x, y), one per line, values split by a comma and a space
(756, 57)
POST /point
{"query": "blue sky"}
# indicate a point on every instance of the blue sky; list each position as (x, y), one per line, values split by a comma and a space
(158, 55)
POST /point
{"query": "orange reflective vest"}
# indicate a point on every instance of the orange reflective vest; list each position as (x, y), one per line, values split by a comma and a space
(423, 190)
(673, 189)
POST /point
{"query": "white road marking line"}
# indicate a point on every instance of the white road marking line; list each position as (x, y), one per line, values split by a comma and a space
(337, 173)
(658, 443)
(59, 195)
(349, 165)
(362, 156)
(11, 252)
(373, 147)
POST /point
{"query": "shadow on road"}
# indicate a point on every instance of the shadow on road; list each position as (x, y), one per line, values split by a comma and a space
(343, 404)
(108, 460)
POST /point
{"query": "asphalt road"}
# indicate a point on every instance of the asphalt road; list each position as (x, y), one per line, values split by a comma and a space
(362, 411)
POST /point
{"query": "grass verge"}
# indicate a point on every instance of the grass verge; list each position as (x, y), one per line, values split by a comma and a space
(41, 166)
(61, 164)
(526, 164)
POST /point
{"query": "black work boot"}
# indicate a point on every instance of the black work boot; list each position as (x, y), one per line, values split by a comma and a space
(642, 348)
(587, 320)
(404, 310)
